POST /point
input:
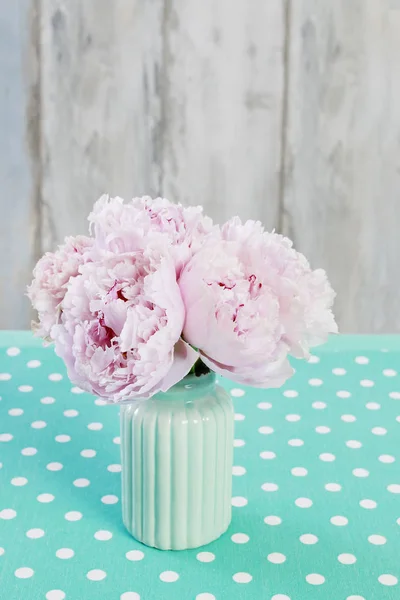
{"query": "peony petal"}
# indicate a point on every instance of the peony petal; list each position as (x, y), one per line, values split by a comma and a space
(184, 358)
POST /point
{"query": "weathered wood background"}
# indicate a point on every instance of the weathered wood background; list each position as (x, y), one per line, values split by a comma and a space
(286, 111)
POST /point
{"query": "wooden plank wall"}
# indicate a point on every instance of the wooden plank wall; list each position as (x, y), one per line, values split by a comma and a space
(285, 111)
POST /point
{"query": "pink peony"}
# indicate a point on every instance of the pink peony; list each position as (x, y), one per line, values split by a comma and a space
(121, 322)
(50, 279)
(251, 299)
(127, 227)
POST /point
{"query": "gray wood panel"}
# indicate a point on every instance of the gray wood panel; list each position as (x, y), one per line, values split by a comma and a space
(342, 158)
(19, 165)
(100, 106)
(222, 110)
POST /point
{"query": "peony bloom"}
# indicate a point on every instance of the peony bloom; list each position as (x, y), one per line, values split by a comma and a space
(251, 299)
(50, 279)
(120, 328)
(127, 227)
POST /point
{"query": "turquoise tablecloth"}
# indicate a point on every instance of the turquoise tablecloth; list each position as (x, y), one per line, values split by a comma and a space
(316, 506)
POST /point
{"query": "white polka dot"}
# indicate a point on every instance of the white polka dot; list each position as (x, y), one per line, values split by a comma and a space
(96, 575)
(290, 393)
(25, 388)
(386, 458)
(62, 439)
(315, 579)
(88, 453)
(398, 419)
(308, 538)
(5, 437)
(39, 424)
(367, 383)
(299, 471)
(280, 597)
(34, 534)
(77, 390)
(242, 577)
(353, 444)
(387, 579)
(236, 470)
(366, 503)
(277, 558)
(327, 457)
(313, 359)
(389, 372)
(347, 559)
(240, 538)
(295, 442)
(135, 555)
(24, 572)
(73, 515)
(54, 466)
(15, 412)
(13, 351)
(269, 487)
(292, 418)
(45, 498)
(19, 481)
(95, 426)
(55, 595)
(47, 400)
(33, 364)
(133, 596)
(303, 502)
(267, 455)
(65, 553)
(238, 443)
(372, 406)
(333, 487)
(343, 394)
(116, 468)
(272, 520)
(28, 451)
(266, 430)
(239, 417)
(103, 535)
(339, 521)
(361, 360)
(5, 376)
(339, 371)
(315, 382)
(322, 429)
(239, 501)
(110, 499)
(100, 402)
(379, 431)
(377, 540)
(348, 418)
(71, 413)
(237, 393)
(355, 598)
(81, 482)
(205, 557)
(360, 472)
(394, 395)
(398, 521)
(264, 405)
(55, 377)
(394, 488)
(169, 576)
(7, 514)
(319, 405)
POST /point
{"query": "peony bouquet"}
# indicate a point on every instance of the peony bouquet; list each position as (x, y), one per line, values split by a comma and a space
(157, 291)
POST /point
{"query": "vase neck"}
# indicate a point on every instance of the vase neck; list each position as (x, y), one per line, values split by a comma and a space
(191, 385)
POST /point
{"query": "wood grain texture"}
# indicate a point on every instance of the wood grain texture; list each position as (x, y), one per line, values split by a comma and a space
(19, 165)
(222, 106)
(342, 157)
(100, 104)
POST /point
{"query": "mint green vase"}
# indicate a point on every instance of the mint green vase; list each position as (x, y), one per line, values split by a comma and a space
(176, 455)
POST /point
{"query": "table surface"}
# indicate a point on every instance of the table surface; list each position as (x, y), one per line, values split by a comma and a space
(316, 487)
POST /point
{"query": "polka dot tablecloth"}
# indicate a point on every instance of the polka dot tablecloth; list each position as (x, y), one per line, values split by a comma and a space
(316, 487)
